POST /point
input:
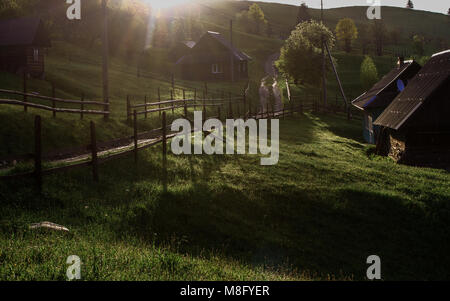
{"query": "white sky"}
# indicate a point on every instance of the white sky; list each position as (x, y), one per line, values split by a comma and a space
(439, 6)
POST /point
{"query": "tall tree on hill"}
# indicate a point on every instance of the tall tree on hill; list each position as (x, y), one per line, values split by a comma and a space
(419, 44)
(346, 33)
(301, 55)
(364, 38)
(379, 33)
(256, 15)
(409, 4)
(303, 13)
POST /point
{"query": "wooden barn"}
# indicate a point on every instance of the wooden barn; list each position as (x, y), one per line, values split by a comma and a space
(181, 49)
(416, 125)
(213, 58)
(22, 45)
(375, 100)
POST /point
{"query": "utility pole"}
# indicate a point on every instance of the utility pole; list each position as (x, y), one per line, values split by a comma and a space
(324, 79)
(232, 55)
(105, 54)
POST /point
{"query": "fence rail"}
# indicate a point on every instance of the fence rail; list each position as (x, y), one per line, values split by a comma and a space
(25, 103)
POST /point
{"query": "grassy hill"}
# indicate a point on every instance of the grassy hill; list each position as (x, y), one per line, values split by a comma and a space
(318, 214)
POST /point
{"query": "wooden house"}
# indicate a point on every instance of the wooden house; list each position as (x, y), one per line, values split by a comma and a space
(213, 58)
(416, 125)
(22, 45)
(375, 100)
(181, 49)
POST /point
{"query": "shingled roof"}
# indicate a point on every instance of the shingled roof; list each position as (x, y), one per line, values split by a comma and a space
(239, 55)
(384, 91)
(432, 77)
(27, 31)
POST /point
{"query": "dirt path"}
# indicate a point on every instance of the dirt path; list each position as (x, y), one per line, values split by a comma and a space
(264, 92)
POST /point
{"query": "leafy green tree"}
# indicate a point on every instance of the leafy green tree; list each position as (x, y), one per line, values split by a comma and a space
(301, 55)
(409, 4)
(369, 73)
(256, 16)
(346, 33)
(303, 13)
(419, 44)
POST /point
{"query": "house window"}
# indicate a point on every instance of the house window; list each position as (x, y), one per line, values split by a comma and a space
(36, 54)
(217, 68)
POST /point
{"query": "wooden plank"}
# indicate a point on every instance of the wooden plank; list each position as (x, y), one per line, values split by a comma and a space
(43, 107)
(94, 153)
(135, 137)
(26, 95)
(38, 152)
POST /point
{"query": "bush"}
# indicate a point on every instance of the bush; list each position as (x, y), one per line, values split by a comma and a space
(369, 73)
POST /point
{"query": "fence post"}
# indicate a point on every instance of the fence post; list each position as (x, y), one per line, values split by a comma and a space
(206, 89)
(53, 100)
(195, 94)
(164, 150)
(94, 153)
(230, 105)
(82, 106)
(173, 82)
(159, 99)
(135, 137)
(38, 152)
(171, 98)
(219, 113)
(145, 102)
(245, 105)
(25, 108)
(267, 113)
(250, 108)
(128, 108)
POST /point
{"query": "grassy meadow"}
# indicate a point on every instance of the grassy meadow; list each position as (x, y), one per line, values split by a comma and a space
(318, 214)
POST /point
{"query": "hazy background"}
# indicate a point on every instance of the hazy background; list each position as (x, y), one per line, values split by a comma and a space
(429, 5)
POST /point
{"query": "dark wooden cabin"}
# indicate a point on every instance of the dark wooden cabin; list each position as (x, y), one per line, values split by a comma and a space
(213, 58)
(416, 125)
(376, 99)
(181, 49)
(22, 45)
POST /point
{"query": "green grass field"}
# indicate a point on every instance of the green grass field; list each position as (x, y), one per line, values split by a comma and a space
(318, 214)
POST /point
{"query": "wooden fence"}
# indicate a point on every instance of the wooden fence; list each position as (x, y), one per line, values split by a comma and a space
(160, 135)
(27, 103)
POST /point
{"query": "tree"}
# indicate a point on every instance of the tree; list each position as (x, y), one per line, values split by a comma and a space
(395, 35)
(364, 38)
(269, 30)
(303, 13)
(419, 44)
(301, 55)
(369, 73)
(346, 33)
(379, 32)
(256, 16)
(409, 4)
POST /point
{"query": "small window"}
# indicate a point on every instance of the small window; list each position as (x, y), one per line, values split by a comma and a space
(36, 55)
(217, 68)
